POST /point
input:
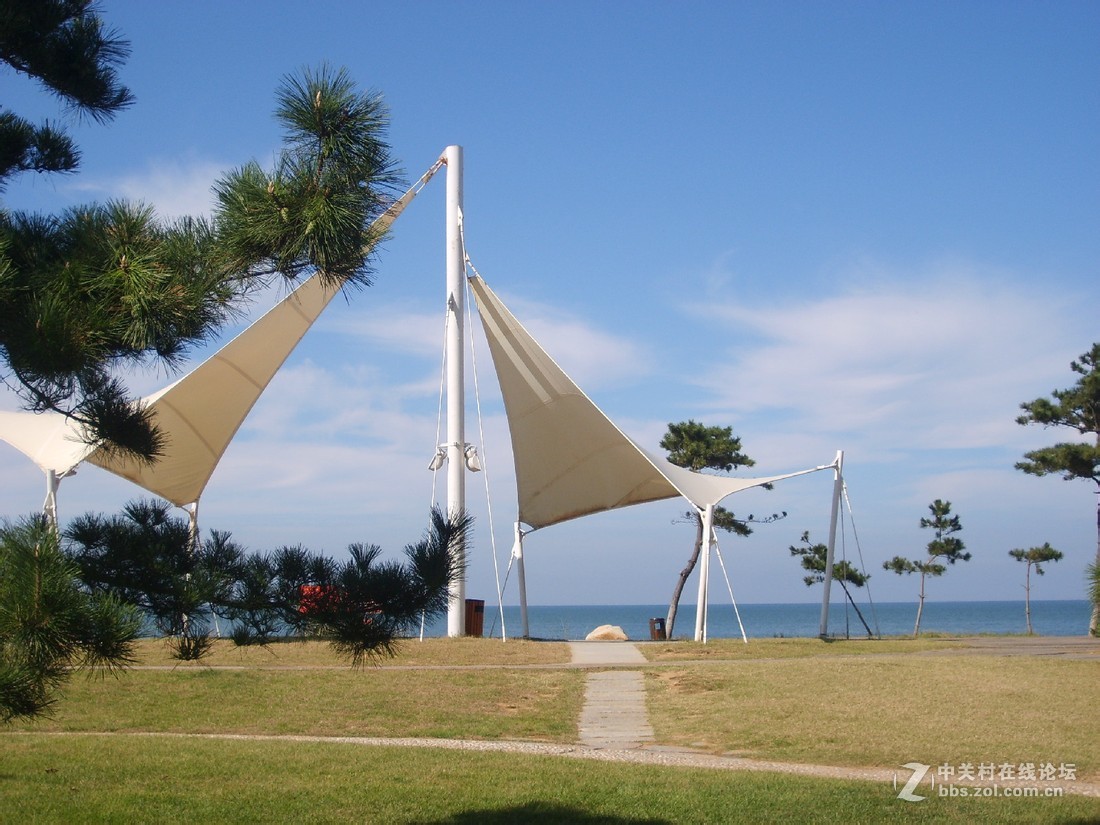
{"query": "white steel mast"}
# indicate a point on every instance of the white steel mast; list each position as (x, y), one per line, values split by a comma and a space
(456, 355)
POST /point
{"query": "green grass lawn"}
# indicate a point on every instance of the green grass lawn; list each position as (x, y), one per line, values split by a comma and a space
(471, 704)
(736, 650)
(126, 779)
(884, 711)
(803, 701)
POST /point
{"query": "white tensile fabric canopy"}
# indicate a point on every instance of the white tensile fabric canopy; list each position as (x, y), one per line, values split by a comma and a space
(49, 439)
(571, 460)
(200, 413)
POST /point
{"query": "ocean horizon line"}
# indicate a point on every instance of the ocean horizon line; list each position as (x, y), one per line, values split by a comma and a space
(835, 602)
(1049, 617)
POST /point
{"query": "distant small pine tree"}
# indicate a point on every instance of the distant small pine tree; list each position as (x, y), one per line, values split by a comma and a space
(945, 547)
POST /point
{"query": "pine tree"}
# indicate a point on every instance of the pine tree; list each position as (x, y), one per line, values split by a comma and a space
(945, 547)
(65, 46)
(369, 603)
(1077, 408)
(698, 447)
(50, 625)
(814, 557)
(1034, 557)
(105, 285)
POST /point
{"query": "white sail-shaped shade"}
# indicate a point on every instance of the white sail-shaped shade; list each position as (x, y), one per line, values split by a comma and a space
(49, 439)
(571, 460)
(200, 413)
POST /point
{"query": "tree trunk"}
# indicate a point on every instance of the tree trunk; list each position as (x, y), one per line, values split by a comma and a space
(920, 607)
(1094, 624)
(1027, 597)
(844, 587)
(674, 605)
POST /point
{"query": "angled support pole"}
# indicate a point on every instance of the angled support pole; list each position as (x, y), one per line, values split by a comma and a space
(517, 554)
(838, 490)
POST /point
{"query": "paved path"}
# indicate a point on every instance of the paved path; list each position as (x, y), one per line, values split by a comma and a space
(606, 653)
(614, 715)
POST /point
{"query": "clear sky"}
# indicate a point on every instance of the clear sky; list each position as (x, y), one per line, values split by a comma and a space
(869, 227)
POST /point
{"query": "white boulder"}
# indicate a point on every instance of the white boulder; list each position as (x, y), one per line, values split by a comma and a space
(607, 633)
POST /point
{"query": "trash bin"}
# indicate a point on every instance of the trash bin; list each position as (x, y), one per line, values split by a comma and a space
(475, 616)
(657, 630)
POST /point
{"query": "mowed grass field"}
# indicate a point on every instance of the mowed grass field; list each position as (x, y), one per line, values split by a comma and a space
(879, 704)
(123, 749)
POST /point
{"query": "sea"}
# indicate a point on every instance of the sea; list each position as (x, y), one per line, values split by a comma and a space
(767, 621)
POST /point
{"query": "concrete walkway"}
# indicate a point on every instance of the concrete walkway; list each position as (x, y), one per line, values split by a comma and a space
(606, 653)
(614, 715)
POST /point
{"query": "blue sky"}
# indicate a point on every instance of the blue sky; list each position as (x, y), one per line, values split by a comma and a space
(860, 226)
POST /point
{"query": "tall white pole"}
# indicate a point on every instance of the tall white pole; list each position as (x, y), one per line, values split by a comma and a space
(517, 552)
(838, 489)
(49, 507)
(456, 357)
(193, 527)
(704, 575)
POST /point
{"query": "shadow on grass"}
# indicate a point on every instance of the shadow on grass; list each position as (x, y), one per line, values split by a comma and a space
(542, 813)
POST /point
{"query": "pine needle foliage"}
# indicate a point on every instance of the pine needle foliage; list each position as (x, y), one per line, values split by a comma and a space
(1092, 580)
(1036, 557)
(264, 600)
(813, 556)
(50, 624)
(371, 602)
(334, 176)
(65, 46)
(98, 287)
(148, 558)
